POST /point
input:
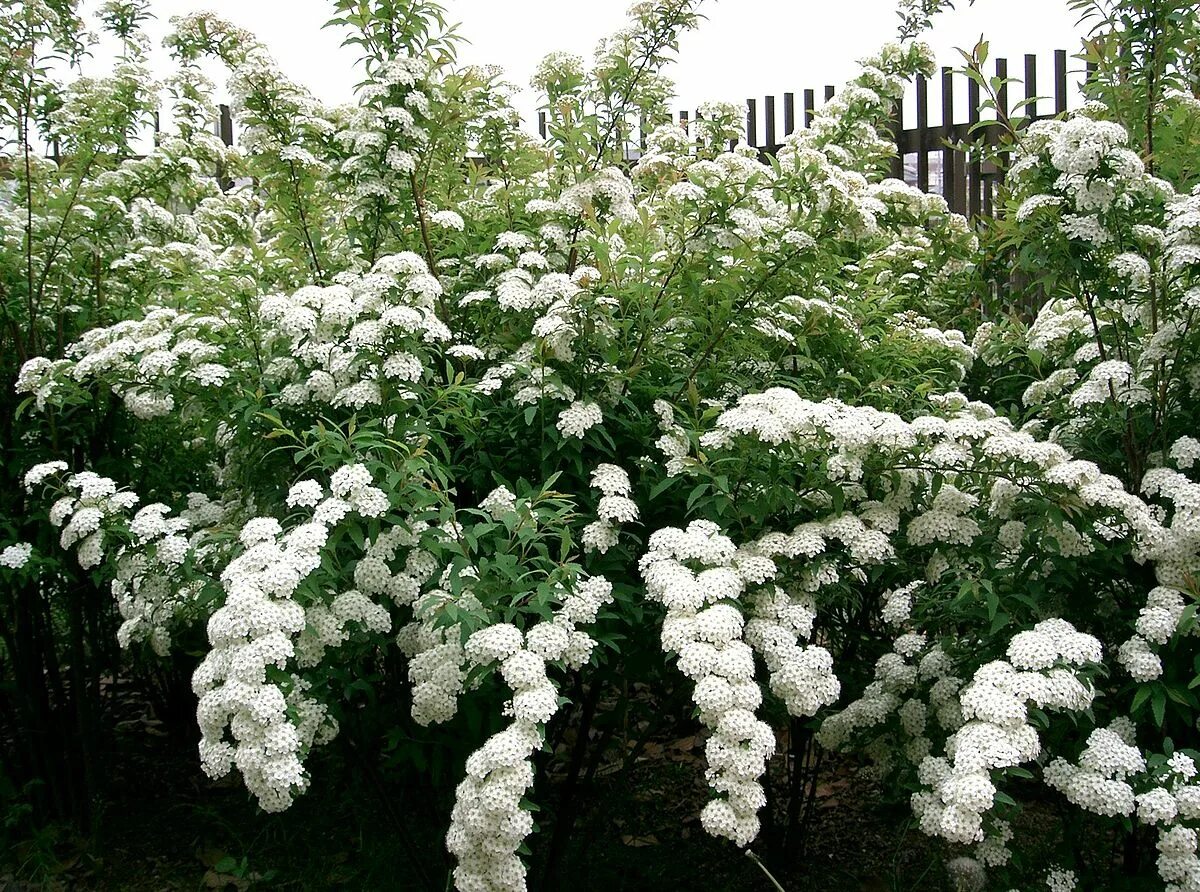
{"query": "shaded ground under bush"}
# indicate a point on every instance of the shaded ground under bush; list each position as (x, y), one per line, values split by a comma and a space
(165, 826)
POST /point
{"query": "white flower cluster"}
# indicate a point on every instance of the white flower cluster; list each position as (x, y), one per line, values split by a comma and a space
(851, 438)
(1185, 452)
(615, 507)
(91, 502)
(434, 651)
(1174, 547)
(578, 418)
(673, 443)
(846, 129)
(704, 627)
(14, 557)
(1119, 338)
(1099, 782)
(572, 307)
(243, 684)
(895, 690)
(607, 193)
(1178, 863)
(435, 669)
(1105, 781)
(346, 344)
(1059, 879)
(997, 733)
(149, 583)
(387, 132)
(500, 502)
(144, 360)
(801, 676)
(1093, 170)
(488, 824)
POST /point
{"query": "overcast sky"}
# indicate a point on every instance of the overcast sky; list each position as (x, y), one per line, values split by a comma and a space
(745, 48)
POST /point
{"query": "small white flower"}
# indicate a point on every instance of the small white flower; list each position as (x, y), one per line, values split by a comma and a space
(16, 556)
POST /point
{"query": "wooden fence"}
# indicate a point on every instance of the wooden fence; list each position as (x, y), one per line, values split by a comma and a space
(941, 158)
(933, 157)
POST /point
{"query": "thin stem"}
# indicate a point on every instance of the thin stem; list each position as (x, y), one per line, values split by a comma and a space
(312, 251)
(657, 41)
(737, 310)
(757, 860)
(56, 243)
(674, 271)
(24, 127)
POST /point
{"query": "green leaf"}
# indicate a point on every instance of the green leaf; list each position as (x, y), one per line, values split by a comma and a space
(1142, 695)
(1158, 704)
(661, 487)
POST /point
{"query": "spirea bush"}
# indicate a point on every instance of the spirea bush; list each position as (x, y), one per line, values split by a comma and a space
(398, 382)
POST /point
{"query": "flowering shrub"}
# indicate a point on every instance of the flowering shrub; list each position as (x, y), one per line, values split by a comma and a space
(536, 418)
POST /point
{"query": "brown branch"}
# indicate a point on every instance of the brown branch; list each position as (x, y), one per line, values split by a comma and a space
(423, 225)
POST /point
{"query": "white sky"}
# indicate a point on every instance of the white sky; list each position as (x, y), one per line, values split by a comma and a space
(745, 48)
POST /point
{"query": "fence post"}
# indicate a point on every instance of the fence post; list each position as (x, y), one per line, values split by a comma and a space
(752, 122)
(789, 114)
(542, 124)
(810, 106)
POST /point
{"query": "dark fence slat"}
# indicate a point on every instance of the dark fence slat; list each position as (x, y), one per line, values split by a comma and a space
(898, 138)
(1002, 101)
(789, 114)
(1060, 81)
(769, 122)
(752, 122)
(542, 124)
(1030, 110)
(226, 125)
(829, 91)
(1002, 93)
(974, 168)
(810, 106)
(951, 174)
(922, 133)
